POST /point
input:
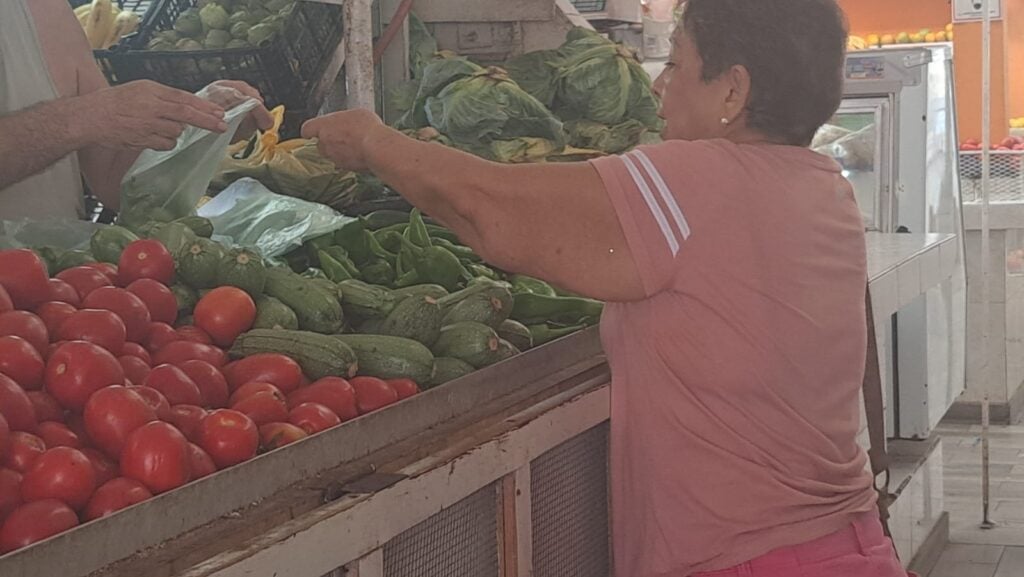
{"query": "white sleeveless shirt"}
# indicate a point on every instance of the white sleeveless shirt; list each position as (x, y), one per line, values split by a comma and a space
(25, 81)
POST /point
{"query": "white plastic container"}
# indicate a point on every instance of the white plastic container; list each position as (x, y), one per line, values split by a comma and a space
(657, 38)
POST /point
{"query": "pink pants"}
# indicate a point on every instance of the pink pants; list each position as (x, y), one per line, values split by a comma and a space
(860, 550)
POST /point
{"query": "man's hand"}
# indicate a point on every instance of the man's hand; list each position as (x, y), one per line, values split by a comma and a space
(230, 93)
(142, 114)
(344, 137)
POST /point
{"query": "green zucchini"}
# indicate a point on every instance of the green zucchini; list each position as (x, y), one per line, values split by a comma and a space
(316, 307)
(199, 225)
(175, 236)
(71, 259)
(448, 369)
(319, 355)
(474, 343)
(506, 350)
(363, 301)
(516, 333)
(244, 269)
(274, 314)
(198, 265)
(186, 297)
(108, 242)
(490, 305)
(530, 308)
(417, 318)
(389, 357)
(428, 290)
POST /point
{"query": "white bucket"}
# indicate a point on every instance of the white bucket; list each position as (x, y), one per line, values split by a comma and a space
(657, 38)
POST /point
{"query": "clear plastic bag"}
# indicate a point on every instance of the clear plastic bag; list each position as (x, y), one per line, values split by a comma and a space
(249, 214)
(59, 233)
(165, 185)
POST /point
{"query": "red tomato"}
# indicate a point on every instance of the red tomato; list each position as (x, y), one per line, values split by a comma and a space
(47, 408)
(100, 327)
(146, 259)
(137, 350)
(5, 300)
(135, 369)
(174, 384)
(229, 437)
(156, 454)
(15, 406)
(263, 408)
(22, 362)
(180, 351)
(114, 495)
(114, 413)
(5, 436)
(22, 450)
(224, 313)
(108, 269)
(155, 400)
(187, 419)
(404, 387)
(160, 335)
(128, 307)
(200, 461)
(105, 467)
(34, 522)
(335, 393)
(77, 370)
(313, 417)
(304, 381)
(54, 313)
(56, 434)
(61, 291)
(76, 422)
(27, 326)
(372, 394)
(278, 370)
(24, 276)
(194, 334)
(213, 388)
(162, 305)
(250, 389)
(10, 492)
(84, 279)
(275, 435)
(60, 473)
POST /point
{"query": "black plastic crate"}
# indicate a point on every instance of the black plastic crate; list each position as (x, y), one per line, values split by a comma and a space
(286, 70)
(589, 5)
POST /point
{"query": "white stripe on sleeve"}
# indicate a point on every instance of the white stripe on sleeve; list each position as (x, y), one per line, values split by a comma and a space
(666, 194)
(652, 204)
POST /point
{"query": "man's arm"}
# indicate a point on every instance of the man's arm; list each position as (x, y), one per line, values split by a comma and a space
(37, 137)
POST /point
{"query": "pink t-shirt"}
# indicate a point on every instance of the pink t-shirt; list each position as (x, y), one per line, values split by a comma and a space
(735, 383)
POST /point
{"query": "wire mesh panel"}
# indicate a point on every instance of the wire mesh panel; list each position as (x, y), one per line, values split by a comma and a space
(589, 5)
(1007, 178)
(460, 541)
(569, 493)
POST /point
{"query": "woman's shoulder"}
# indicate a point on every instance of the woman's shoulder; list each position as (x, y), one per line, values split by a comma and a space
(707, 153)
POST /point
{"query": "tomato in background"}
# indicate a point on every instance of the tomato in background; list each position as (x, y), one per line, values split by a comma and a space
(108, 269)
(313, 418)
(279, 370)
(22, 450)
(137, 350)
(372, 394)
(213, 387)
(46, 407)
(20, 361)
(156, 454)
(5, 300)
(15, 406)
(404, 387)
(27, 326)
(200, 462)
(224, 313)
(146, 259)
(187, 418)
(263, 408)
(114, 495)
(135, 369)
(60, 473)
(128, 307)
(56, 434)
(162, 305)
(97, 326)
(194, 334)
(61, 291)
(276, 435)
(250, 389)
(229, 437)
(53, 313)
(180, 351)
(84, 279)
(113, 413)
(10, 492)
(24, 276)
(174, 384)
(36, 521)
(105, 467)
(335, 393)
(78, 369)
(5, 436)
(160, 335)
(155, 400)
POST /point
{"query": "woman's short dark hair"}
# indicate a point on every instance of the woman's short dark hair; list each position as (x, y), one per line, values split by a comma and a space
(794, 51)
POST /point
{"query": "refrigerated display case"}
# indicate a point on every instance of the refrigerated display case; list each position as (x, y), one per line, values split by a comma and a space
(895, 137)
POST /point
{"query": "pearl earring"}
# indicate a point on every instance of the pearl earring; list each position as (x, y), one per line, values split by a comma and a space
(725, 120)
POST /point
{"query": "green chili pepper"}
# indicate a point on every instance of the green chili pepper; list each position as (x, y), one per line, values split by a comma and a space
(436, 265)
(442, 232)
(334, 270)
(529, 308)
(525, 284)
(408, 279)
(417, 232)
(379, 272)
(463, 252)
(542, 333)
(353, 238)
(341, 255)
(479, 270)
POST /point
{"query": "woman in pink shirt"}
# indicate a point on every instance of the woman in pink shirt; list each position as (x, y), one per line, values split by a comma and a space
(732, 258)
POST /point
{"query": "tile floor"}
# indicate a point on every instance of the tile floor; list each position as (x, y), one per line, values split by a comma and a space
(976, 552)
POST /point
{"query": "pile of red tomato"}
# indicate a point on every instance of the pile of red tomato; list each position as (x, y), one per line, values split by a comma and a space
(104, 404)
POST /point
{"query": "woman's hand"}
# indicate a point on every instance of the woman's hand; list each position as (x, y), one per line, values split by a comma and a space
(345, 137)
(230, 93)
